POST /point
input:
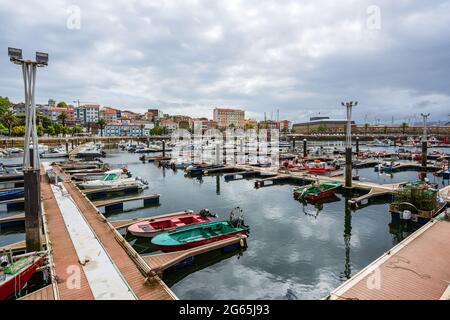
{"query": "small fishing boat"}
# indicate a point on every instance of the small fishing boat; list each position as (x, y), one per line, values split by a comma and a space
(152, 227)
(319, 167)
(201, 168)
(16, 274)
(11, 194)
(201, 234)
(317, 191)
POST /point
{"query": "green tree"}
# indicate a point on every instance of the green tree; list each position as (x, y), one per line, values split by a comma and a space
(62, 118)
(101, 124)
(322, 128)
(62, 104)
(51, 130)
(43, 120)
(8, 119)
(77, 129)
(142, 127)
(5, 105)
(40, 130)
(158, 131)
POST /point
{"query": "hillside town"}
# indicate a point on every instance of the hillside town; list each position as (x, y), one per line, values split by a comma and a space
(59, 118)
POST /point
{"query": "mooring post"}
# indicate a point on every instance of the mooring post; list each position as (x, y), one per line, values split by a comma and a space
(424, 155)
(424, 146)
(33, 221)
(293, 144)
(67, 146)
(164, 148)
(348, 147)
(305, 148)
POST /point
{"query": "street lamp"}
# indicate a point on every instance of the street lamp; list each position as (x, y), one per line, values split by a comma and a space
(348, 146)
(31, 170)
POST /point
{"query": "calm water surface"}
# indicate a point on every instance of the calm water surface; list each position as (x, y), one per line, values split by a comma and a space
(294, 251)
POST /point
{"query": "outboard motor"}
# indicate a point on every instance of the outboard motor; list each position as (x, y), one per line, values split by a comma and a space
(206, 213)
(237, 217)
(141, 180)
(4, 261)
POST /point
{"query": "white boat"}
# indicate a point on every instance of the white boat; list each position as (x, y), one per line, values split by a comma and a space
(378, 143)
(54, 153)
(114, 179)
(14, 150)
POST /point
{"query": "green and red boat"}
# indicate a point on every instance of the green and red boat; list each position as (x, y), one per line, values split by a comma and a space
(200, 234)
(317, 191)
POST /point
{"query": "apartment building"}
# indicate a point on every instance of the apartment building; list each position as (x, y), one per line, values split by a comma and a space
(88, 113)
(227, 118)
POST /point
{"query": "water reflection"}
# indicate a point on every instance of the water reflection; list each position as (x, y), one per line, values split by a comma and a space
(347, 240)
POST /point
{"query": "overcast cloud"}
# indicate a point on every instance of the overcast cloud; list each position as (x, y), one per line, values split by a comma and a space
(188, 56)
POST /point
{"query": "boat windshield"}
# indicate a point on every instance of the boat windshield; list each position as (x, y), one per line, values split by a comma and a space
(110, 177)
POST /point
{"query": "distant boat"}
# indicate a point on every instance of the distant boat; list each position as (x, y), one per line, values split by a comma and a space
(17, 273)
(378, 143)
(319, 167)
(317, 192)
(151, 227)
(201, 168)
(54, 153)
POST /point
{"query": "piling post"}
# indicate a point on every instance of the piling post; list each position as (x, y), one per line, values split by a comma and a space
(357, 145)
(348, 147)
(305, 148)
(164, 148)
(293, 143)
(424, 146)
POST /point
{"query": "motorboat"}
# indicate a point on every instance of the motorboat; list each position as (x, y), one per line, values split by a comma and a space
(91, 150)
(123, 173)
(54, 153)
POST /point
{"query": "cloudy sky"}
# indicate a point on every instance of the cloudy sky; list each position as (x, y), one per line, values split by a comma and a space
(189, 56)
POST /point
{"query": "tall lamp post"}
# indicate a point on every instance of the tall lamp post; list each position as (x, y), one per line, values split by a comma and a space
(31, 171)
(424, 144)
(348, 143)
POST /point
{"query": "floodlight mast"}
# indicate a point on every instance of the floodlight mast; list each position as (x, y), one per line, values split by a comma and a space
(31, 170)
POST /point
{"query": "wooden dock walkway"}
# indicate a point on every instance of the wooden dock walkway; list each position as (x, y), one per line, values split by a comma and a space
(160, 262)
(418, 268)
(132, 268)
(45, 293)
(119, 203)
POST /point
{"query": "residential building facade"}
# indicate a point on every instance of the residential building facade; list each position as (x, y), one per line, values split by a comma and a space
(227, 118)
(88, 113)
